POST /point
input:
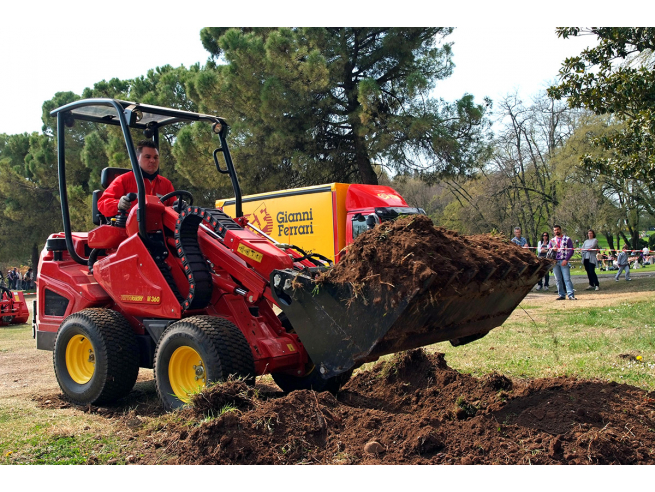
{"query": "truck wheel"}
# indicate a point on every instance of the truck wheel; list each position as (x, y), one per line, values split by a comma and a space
(96, 357)
(196, 351)
(312, 380)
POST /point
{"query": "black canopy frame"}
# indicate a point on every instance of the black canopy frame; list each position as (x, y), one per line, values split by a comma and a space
(130, 115)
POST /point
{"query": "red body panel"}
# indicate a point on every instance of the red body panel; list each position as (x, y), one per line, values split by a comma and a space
(106, 237)
(154, 219)
(371, 196)
(68, 279)
(131, 278)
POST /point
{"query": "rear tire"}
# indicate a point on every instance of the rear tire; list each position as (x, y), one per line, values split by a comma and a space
(96, 357)
(312, 380)
(196, 351)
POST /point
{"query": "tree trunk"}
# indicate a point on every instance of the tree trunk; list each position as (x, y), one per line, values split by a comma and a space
(610, 241)
(625, 239)
(634, 237)
(366, 172)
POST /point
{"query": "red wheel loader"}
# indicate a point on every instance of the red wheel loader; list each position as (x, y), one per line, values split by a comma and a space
(13, 308)
(189, 292)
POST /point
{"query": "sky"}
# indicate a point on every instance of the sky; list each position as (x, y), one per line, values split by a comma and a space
(70, 49)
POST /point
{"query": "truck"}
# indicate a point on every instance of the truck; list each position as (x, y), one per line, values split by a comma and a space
(190, 291)
(323, 219)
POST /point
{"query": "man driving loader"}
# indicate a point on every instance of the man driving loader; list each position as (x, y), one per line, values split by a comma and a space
(114, 198)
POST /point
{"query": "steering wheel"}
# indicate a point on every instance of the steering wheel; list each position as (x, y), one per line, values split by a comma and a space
(179, 194)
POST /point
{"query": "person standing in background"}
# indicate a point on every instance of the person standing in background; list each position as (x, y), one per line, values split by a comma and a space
(623, 263)
(589, 249)
(564, 247)
(518, 239)
(542, 251)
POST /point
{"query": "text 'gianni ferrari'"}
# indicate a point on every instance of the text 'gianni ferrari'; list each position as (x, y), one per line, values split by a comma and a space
(284, 218)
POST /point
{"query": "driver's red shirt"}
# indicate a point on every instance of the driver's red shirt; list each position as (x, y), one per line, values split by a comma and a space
(126, 183)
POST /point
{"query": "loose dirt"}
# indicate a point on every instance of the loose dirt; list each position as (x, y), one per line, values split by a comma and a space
(413, 409)
(402, 256)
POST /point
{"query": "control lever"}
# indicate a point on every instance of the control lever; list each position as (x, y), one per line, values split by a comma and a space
(121, 217)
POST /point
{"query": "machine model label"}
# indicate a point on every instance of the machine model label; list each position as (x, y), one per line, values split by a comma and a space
(250, 253)
(137, 298)
(131, 298)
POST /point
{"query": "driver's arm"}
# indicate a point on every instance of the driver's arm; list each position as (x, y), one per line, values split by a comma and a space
(108, 202)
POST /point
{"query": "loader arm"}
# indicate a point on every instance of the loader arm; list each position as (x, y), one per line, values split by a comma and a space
(248, 258)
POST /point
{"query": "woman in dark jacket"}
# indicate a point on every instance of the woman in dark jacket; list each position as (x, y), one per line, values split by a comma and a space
(589, 250)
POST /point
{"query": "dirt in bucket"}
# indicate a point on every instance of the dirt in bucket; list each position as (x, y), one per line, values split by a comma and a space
(401, 256)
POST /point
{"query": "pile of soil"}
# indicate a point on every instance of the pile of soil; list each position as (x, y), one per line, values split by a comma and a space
(414, 409)
(409, 253)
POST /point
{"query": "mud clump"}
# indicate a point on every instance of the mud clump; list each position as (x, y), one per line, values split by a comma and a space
(410, 253)
(416, 410)
(232, 395)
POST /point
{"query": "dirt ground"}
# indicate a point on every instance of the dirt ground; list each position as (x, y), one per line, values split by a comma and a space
(412, 409)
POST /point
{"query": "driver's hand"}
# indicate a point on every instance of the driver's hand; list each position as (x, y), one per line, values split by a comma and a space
(124, 204)
(184, 204)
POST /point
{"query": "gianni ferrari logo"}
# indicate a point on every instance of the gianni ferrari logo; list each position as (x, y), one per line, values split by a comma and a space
(261, 219)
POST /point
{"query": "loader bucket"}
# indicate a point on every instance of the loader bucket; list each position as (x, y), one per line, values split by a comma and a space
(342, 329)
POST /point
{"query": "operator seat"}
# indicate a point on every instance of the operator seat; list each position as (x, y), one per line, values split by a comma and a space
(107, 175)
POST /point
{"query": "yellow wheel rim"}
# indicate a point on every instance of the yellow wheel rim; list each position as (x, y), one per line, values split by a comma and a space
(80, 359)
(186, 372)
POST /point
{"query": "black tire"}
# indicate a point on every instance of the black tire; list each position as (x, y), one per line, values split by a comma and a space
(115, 355)
(222, 347)
(312, 380)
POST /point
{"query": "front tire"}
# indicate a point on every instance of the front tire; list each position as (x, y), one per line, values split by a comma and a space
(96, 357)
(196, 351)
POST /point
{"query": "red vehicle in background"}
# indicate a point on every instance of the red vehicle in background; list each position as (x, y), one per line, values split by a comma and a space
(322, 219)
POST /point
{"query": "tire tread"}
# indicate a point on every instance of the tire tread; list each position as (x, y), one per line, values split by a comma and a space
(117, 340)
(223, 341)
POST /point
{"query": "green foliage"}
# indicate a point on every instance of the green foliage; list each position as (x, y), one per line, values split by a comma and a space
(29, 190)
(29, 205)
(616, 77)
(312, 105)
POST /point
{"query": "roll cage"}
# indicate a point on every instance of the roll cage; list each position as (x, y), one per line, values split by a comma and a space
(132, 115)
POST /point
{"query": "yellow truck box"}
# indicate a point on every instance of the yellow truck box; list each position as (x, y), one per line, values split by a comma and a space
(321, 219)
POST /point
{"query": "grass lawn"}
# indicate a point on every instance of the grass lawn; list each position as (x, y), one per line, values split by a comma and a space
(598, 336)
